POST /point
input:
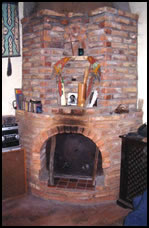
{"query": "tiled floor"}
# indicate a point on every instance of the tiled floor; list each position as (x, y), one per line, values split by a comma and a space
(83, 184)
(32, 211)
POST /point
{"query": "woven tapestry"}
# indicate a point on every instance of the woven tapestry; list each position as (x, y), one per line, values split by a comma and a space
(10, 30)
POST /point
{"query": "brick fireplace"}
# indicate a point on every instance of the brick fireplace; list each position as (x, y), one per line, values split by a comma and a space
(109, 35)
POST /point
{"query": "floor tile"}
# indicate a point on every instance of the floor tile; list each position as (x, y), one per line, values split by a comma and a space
(33, 211)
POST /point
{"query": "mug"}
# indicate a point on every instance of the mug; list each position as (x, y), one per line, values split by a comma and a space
(14, 104)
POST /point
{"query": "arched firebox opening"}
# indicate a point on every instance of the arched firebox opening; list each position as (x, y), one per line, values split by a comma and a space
(72, 157)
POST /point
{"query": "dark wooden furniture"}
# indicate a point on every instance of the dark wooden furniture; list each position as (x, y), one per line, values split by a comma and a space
(13, 173)
(133, 176)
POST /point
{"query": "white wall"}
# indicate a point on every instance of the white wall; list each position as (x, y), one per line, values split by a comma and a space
(141, 9)
(15, 80)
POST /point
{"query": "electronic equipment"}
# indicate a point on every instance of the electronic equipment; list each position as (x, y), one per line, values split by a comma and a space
(10, 135)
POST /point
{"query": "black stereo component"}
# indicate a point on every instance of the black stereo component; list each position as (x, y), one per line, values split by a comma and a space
(10, 135)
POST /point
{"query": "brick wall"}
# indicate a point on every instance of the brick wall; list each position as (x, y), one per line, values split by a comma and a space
(108, 34)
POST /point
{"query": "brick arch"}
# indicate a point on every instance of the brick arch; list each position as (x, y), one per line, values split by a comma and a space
(46, 134)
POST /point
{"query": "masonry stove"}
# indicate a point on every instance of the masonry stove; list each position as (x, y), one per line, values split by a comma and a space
(109, 35)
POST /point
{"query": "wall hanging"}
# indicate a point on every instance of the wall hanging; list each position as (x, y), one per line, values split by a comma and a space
(10, 32)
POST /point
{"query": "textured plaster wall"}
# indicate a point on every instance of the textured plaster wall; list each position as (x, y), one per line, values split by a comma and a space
(141, 9)
(13, 81)
(75, 7)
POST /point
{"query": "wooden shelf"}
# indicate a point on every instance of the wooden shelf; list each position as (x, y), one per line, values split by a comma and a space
(79, 58)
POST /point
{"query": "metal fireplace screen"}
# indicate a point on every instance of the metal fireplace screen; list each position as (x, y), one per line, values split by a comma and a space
(133, 180)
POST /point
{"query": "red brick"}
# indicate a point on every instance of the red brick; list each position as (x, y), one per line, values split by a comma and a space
(112, 24)
(64, 22)
(46, 36)
(119, 33)
(111, 10)
(133, 46)
(123, 20)
(119, 45)
(129, 28)
(108, 97)
(107, 44)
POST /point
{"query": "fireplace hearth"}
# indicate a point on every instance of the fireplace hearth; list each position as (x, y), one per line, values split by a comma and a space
(91, 150)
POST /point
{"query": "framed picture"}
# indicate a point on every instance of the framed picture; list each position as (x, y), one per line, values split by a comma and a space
(72, 99)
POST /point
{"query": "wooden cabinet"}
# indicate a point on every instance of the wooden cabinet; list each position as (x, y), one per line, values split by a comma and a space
(13, 173)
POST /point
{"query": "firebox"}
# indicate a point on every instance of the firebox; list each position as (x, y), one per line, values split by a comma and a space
(75, 156)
